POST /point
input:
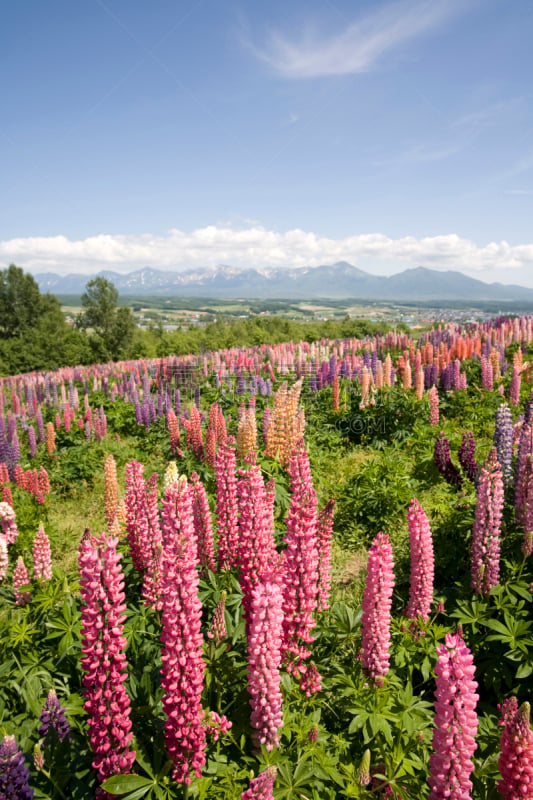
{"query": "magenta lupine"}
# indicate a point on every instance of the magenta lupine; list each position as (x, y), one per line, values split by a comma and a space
(203, 525)
(257, 555)
(450, 764)
(516, 752)
(262, 787)
(485, 559)
(21, 578)
(8, 522)
(422, 563)
(226, 504)
(182, 671)
(42, 555)
(300, 564)
(324, 536)
(103, 659)
(377, 604)
(264, 662)
(216, 724)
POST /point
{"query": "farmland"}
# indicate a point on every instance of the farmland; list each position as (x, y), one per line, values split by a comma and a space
(292, 570)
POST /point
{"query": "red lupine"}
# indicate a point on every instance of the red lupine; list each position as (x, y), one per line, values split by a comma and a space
(516, 752)
(300, 564)
(103, 661)
(264, 661)
(450, 764)
(377, 603)
(203, 525)
(485, 561)
(42, 555)
(7, 497)
(422, 563)
(226, 504)
(182, 671)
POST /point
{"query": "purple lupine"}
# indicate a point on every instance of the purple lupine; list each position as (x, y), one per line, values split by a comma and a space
(467, 456)
(443, 461)
(503, 439)
(422, 563)
(261, 788)
(264, 661)
(14, 774)
(53, 716)
(450, 764)
(377, 604)
(516, 752)
(523, 487)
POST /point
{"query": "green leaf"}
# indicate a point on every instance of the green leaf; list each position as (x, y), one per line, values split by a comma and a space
(120, 784)
(524, 671)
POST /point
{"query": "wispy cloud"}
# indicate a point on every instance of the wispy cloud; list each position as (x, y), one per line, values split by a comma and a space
(360, 45)
(256, 246)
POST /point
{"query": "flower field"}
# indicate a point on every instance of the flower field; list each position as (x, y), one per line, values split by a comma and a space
(292, 571)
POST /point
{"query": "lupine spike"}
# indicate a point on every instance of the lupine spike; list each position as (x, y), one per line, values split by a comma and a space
(422, 563)
(377, 604)
(42, 555)
(485, 560)
(516, 752)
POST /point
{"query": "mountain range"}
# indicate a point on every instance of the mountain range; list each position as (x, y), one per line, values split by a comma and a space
(336, 281)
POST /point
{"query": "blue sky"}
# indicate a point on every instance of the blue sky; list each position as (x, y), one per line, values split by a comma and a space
(195, 132)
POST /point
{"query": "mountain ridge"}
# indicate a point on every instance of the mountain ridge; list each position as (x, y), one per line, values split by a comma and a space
(334, 281)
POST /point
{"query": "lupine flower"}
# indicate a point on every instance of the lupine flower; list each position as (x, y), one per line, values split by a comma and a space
(53, 716)
(103, 661)
(422, 563)
(514, 389)
(203, 526)
(300, 564)
(42, 555)
(32, 441)
(450, 764)
(136, 517)
(433, 395)
(264, 661)
(14, 774)
(363, 771)
(377, 603)
(516, 752)
(226, 504)
(174, 431)
(38, 757)
(7, 497)
(335, 403)
(171, 476)
(110, 490)
(247, 434)
(50, 438)
(444, 462)
(503, 439)
(467, 457)
(218, 631)
(215, 724)
(8, 522)
(3, 557)
(485, 562)
(182, 671)
(262, 787)
(21, 578)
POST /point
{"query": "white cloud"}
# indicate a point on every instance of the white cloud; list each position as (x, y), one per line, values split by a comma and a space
(255, 246)
(360, 45)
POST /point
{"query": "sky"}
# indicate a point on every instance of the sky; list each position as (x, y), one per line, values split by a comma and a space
(182, 134)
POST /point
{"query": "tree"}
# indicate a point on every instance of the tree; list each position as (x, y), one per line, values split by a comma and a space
(113, 327)
(21, 302)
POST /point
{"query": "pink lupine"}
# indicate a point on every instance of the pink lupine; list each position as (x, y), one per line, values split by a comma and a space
(21, 578)
(300, 564)
(422, 563)
(152, 544)
(377, 603)
(262, 787)
(485, 560)
(218, 631)
(42, 556)
(182, 671)
(516, 752)
(3, 557)
(514, 389)
(44, 482)
(257, 555)
(103, 661)
(7, 497)
(215, 724)
(136, 517)
(203, 525)
(450, 764)
(226, 504)
(8, 522)
(264, 662)
(433, 395)
(324, 536)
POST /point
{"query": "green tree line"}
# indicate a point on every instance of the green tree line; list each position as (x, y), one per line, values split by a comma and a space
(34, 334)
